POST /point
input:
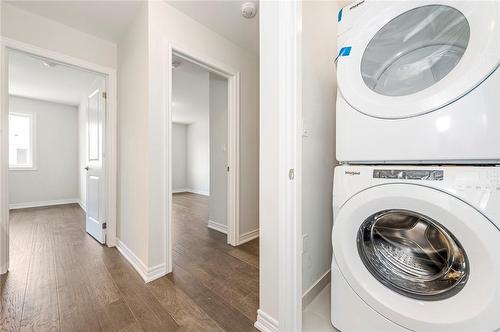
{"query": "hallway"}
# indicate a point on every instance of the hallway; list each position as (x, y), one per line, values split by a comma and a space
(63, 280)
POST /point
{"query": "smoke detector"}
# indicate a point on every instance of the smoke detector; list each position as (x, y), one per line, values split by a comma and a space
(248, 10)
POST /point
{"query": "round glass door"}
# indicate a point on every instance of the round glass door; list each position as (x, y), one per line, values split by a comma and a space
(412, 254)
(415, 50)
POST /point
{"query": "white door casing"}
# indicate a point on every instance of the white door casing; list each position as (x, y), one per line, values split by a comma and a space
(109, 187)
(233, 117)
(96, 110)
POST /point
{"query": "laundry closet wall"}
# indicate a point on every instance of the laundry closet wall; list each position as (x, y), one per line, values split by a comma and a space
(318, 143)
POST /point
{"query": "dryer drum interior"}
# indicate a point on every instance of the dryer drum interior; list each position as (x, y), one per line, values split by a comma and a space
(415, 50)
(412, 254)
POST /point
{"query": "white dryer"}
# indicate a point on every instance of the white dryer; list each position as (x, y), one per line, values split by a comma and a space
(416, 248)
(418, 82)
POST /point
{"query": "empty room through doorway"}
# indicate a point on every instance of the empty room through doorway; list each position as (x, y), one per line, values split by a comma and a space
(200, 200)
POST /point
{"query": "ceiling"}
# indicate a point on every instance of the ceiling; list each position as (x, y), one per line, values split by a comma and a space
(224, 17)
(30, 78)
(108, 19)
(104, 19)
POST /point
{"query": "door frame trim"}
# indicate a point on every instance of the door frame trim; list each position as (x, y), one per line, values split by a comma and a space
(110, 138)
(233, 115)
(290, 158)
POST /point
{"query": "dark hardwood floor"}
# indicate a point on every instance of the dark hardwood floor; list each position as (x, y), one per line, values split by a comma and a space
(63, 280)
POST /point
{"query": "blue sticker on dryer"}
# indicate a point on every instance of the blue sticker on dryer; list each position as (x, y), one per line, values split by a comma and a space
(345, 51)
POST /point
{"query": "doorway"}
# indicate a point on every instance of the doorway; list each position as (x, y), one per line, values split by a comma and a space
(225, 148)
(203, 250)
(57, 143)
(199, 140)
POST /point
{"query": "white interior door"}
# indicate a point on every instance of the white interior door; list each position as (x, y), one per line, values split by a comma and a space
(96, 103)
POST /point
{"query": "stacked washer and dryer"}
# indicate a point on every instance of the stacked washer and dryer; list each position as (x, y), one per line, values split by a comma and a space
(416, 232)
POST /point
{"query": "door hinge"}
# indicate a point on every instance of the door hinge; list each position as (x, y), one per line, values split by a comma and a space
(228, 168)
(104, 225)
(291, 174)
(104, 95)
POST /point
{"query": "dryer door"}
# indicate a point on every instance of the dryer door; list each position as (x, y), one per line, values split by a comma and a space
(420, 257)
(412, 58)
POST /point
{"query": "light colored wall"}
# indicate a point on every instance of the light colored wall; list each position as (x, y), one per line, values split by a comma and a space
(319, 89)
(39, 31)
(168, 25)
(198, 156)
(269, 167)
(55, 177)
(190, 94)
(82, 153)
(134, 168)
(217, 203)
(179, 154)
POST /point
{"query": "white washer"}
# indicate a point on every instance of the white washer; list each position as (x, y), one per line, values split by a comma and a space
(418, 82)
(416, 248)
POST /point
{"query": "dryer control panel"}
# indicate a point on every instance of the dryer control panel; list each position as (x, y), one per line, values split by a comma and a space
(409, 174)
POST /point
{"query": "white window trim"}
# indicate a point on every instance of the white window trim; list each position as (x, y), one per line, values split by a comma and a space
(32, 116)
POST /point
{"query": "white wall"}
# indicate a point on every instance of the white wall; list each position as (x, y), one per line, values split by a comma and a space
(191, 157)
(168, 25)
(190, 96)
(217, 203)
(319, 89)
(269, 167)
(198, 156)
(39, 31)
(179, 154)
(133, 159)
(82, 153)
(55, 176)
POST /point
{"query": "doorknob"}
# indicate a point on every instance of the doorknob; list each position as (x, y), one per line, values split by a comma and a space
(86, 168)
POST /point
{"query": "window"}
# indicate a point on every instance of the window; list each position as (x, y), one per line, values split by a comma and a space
(21, 141)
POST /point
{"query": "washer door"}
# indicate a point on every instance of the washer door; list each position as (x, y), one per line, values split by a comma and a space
(420, 257)
(413, 58)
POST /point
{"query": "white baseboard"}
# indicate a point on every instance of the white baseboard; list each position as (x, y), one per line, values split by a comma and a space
(199, 192)
(43, 203)
(147, 274)
(191, 190)
(315, 289)
(4, 269)
(82, 206)
(266, 323)
(249, 236)
(218, 227)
